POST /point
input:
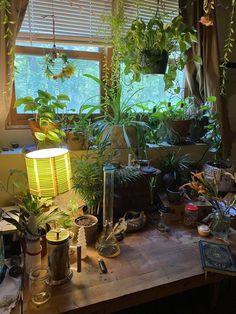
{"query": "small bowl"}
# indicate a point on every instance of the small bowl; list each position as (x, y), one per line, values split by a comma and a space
(203, 230)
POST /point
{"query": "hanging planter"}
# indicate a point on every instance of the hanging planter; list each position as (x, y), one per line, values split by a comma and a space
(67, 69)
(154, 61)
(51, 59)
(145, 44)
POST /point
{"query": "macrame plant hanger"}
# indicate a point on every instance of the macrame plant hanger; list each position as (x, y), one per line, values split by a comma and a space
(67, 69)
(54, 49)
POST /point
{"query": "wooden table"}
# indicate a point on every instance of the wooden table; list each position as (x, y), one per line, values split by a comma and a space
(151, 265)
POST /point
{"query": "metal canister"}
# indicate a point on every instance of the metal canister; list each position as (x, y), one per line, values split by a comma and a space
(58, 256)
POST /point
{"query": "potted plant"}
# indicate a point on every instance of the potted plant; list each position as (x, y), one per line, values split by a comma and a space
(176, 118)
(200, 117)
(218, 169)
(32, 220)
(118, 122)
(88, 182)
(220, 217)
(149, 44)
(175, 170)
(45, 125)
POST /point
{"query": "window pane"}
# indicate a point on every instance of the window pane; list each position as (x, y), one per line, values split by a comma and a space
(30, 76)
(152, 89)
(59, 46)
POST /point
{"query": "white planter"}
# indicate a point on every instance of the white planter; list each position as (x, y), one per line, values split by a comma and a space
(221, 176)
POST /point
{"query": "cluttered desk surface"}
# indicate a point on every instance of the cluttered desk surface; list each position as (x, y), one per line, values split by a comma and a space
(151, 265)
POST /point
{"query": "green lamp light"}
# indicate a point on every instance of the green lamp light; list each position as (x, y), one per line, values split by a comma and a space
(49, 171)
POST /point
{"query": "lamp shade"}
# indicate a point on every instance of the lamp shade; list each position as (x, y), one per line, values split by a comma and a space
(49, 171)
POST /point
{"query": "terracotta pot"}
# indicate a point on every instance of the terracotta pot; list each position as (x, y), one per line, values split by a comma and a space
(118, 138)
(76, 141)
(90, 224)
(179, 127)
(35, 127)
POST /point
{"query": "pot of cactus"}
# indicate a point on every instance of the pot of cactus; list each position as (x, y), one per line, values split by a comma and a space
(45, 125)
(147, 47)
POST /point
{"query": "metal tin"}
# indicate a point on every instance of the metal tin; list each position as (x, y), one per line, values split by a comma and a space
(58, 256)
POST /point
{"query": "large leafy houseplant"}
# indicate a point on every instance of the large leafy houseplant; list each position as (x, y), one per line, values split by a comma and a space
(154, 40)
(45, 108)
(118, 121)
(174, 119)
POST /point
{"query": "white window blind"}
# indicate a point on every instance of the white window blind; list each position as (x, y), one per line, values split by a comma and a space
(79, 21)
(146, 9)
(76, 21)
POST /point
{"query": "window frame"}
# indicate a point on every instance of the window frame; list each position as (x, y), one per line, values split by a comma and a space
(18, 120)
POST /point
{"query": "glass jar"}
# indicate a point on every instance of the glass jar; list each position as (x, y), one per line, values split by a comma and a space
(220, 226)
(38, 285)
(191, 215)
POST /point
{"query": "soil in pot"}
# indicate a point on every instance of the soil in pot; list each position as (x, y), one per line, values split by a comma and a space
(90, 224)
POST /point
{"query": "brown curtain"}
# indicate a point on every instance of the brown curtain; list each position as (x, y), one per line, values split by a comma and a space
(204, 80)
(14, 15)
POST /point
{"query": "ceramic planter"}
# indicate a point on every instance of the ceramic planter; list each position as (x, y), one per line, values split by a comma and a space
(76, 141)
(174, 195)
(118, 138)
(179, 127)
(90, 224)
(219, 175)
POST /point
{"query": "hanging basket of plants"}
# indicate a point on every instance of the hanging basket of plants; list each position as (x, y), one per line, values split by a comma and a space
(154, 61)
(52, 60)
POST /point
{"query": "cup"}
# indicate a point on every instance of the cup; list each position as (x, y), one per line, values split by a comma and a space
(38, 285)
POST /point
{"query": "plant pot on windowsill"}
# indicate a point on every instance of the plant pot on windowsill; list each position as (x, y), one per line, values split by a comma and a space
(123, 136)
(90, 224)
(76, 141)
(154, 62)
(178, 131)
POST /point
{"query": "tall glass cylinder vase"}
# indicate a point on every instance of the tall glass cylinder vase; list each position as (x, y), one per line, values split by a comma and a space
(107, 244)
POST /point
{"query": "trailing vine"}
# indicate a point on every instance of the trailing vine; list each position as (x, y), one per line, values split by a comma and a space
(5, 6)
(228, 48)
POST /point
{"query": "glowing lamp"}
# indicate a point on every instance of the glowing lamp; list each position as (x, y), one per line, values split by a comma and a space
(49, 171)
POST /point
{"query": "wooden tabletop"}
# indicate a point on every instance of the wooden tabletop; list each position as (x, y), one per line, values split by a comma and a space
(151, 265)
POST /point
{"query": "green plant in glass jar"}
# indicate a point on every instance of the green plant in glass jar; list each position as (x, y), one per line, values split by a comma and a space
(220, 217)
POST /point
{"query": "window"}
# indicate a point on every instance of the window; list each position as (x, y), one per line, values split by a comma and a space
(77, 26)
(30, 76)
(151, 90)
